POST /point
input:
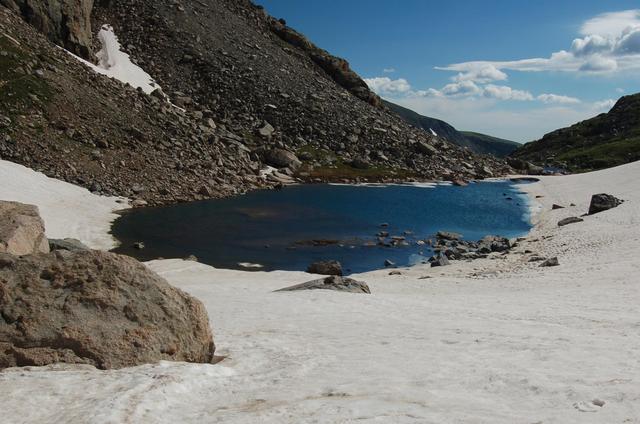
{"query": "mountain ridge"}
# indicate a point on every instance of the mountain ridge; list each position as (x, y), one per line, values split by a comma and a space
(478, 143)
(604, 141)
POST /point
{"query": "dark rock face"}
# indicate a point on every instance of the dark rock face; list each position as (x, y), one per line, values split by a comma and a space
(336, 283)
(603, 202)
(325, 268)
(570, 220)
(65, 22)
(95, 308)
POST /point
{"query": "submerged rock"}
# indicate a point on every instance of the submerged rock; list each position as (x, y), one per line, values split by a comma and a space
(602, 202)
(325, 268)
(96, 308)
(335, 282)
(21, 229)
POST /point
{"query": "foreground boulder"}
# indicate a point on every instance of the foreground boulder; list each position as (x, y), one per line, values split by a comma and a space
(603, 202)
(332, 283)
(280, 158)
(325, 268)
(21, 229)
(96, 308)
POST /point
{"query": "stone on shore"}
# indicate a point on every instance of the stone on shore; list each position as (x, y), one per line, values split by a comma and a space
(70, 244)
(550, 262)
(21, 229)
(334, 282)
(325, 268)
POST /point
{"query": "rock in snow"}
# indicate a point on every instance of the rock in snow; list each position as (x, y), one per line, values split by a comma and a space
(21, 229)
(602, 202)
(334, 282)
(569, 220)
(96, 308)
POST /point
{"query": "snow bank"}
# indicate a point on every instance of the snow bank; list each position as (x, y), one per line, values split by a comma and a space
(67, 210)
(115, 63)
(493, 341)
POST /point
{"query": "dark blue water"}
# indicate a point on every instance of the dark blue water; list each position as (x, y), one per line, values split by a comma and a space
(275, 228)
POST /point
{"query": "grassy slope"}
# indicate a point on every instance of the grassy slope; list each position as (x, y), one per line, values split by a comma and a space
(609, 139)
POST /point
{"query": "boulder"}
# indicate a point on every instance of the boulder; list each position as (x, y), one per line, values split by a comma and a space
(447, 235)
(494, 244)
(96, 308)
(70, 244)
(550, 262)
(440, 260)
(602, 202)
(334, 282)
(570, 220)
(280, 158)
(424, 148)
(21, 229)
(325, 268)
(266, 130)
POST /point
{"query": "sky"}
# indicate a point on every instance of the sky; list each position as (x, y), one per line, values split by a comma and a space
(511, 69)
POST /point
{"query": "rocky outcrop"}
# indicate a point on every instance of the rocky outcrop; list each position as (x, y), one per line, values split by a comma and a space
(603, 202)
(95, 308)
(21, 229)
(334, 282)
(325, 268)
(65, 22)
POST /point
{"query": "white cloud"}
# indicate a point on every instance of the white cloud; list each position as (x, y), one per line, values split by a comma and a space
(557, 99)
(604, 105)
(388, 70)
(610, 42)
(481, 74)
(502, 92)
(611, 24)
(384, 85)
(462, 88)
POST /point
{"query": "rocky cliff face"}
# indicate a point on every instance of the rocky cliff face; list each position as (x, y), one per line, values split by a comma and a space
(65, 22)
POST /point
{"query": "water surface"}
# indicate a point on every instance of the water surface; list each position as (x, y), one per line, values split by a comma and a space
(291, 228)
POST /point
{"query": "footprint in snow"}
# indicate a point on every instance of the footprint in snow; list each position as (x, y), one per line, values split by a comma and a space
(586, 406)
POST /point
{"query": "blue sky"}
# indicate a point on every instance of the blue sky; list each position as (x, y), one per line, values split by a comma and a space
(588, 55)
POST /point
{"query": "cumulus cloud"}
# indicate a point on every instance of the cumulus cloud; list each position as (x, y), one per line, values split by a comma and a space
(502, 92)
(385, 85)
(609, 42)
(462, 88)
(604, 105)
(481, 74)
(557, 99)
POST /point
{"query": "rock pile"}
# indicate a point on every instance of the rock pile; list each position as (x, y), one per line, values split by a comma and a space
(334, 282)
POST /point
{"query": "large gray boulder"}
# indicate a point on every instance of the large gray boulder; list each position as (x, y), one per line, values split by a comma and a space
(603, 202)
(96, 308)
(280, 158)
(21, 229)
(334, 282)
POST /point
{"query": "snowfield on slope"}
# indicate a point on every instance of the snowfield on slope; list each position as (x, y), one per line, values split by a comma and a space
(492, 341)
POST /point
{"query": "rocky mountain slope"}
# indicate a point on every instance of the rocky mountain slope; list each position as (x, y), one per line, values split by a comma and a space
(476, 142)
(609, 139)
(251, 91)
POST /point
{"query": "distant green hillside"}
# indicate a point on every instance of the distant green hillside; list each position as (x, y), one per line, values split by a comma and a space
(478, 143)
(609, 139)
(490, 145)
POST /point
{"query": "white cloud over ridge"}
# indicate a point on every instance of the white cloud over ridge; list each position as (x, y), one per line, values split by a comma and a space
(610, 42)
